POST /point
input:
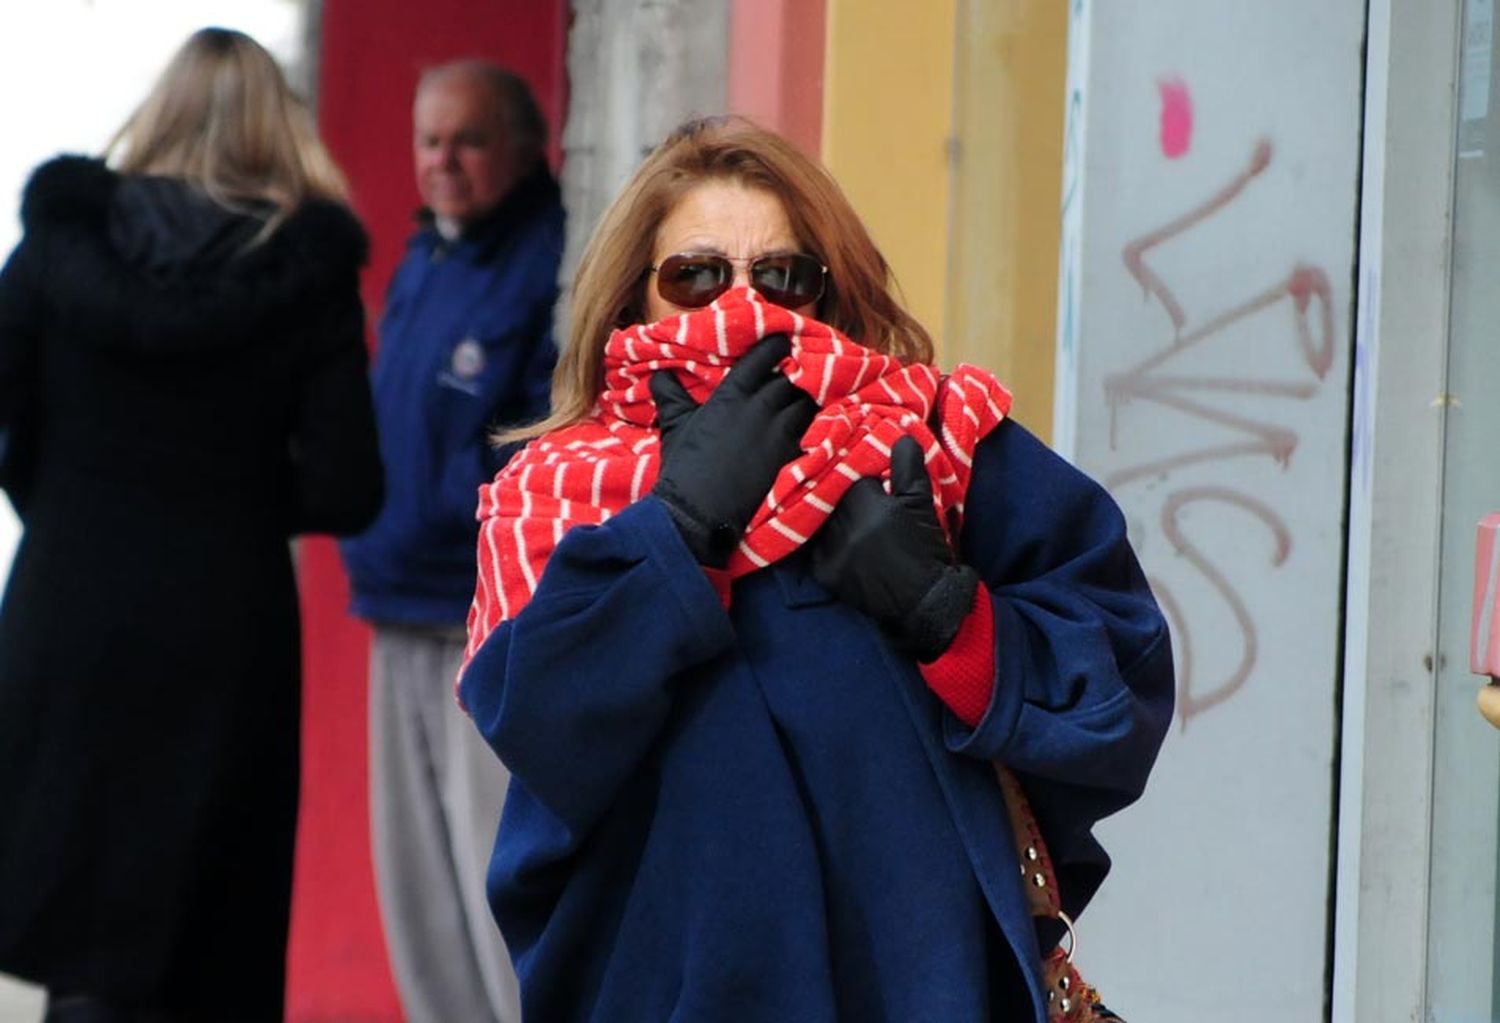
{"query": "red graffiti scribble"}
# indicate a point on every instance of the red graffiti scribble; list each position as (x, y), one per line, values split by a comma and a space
(1136, 250)
(1189, 703)
(1176, 117)
(1200, 398)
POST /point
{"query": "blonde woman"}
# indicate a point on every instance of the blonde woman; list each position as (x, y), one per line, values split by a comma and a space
(182, 388)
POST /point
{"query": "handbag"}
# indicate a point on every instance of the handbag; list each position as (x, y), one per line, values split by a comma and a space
(1069, 999)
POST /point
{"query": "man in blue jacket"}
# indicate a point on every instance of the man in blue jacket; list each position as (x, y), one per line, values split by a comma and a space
(465, 346)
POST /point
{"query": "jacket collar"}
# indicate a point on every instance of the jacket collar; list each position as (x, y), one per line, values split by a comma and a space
(537, 190)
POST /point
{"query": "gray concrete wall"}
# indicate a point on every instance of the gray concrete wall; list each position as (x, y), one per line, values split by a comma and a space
(636, 69)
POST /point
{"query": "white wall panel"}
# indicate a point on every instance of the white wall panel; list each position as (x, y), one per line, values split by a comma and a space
(1204, 360)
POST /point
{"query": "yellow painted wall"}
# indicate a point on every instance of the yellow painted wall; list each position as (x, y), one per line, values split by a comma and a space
(1011, 75)
(887, 99)
(943, 121)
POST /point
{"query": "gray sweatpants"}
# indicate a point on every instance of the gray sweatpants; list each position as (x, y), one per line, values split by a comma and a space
(436, 790)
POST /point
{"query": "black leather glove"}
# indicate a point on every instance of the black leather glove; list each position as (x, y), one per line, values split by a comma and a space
(886, 555)
(719, 459)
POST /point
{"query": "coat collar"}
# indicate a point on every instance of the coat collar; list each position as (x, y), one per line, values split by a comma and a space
(798, 587)
(118, 300)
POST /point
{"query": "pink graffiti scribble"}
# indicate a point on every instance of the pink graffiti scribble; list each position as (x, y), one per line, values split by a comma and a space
(1135, 252)
(1189, 703)
(1176, 117)
(1207, 399)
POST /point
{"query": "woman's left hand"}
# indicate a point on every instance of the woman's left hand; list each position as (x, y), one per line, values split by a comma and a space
(720, 458)
(886, 555)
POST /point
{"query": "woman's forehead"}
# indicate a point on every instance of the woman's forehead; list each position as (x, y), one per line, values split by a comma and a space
(725, 216)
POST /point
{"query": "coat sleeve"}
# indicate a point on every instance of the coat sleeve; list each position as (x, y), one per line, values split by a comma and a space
(573, 691)
(22, 321)
(338, 479)
(1083, 687)
(535, 392)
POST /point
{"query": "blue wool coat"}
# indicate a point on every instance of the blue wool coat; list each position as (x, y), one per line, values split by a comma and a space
(763, 814)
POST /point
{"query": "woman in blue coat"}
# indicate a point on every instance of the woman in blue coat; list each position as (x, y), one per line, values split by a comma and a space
(762, 606)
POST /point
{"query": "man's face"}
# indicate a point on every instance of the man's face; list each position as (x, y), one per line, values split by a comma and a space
(464, 161)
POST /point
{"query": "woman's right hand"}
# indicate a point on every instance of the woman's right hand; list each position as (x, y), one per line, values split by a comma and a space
(719, 459)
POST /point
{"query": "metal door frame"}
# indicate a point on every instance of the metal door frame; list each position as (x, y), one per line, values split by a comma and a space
(1384, 824)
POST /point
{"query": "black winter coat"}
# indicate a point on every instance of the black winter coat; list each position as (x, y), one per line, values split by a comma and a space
(175, 406)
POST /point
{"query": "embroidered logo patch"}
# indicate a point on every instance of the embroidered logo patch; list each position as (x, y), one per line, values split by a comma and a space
(468, 359)
(464, 368)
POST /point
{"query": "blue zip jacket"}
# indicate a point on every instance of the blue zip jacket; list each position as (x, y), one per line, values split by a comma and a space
(465, 346)
(762, 813)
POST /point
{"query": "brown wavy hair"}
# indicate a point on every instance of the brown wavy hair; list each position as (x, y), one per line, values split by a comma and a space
(609, 289)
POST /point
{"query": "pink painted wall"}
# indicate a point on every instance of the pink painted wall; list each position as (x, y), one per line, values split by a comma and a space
(776, 66)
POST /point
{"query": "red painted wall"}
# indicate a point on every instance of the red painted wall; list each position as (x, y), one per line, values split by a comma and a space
(372, 53)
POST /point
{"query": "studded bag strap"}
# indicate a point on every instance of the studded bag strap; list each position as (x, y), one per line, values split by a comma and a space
(1069, 999)
(1031, 850)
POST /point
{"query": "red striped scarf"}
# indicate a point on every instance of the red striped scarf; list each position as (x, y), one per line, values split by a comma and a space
(583, 474)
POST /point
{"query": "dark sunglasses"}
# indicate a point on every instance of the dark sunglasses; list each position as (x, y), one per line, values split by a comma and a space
(694, 279)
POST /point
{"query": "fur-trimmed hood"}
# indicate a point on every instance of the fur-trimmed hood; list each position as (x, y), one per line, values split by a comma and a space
(151, 264)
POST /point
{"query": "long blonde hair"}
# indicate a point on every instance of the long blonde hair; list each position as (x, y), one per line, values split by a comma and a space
(609, 289)
(222, 116)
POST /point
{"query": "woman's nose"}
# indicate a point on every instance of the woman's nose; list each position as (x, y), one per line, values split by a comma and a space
(741, 276)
